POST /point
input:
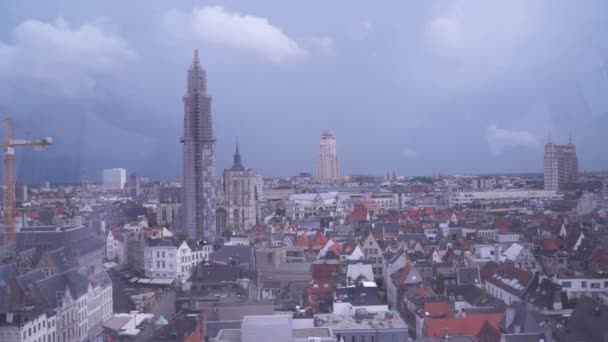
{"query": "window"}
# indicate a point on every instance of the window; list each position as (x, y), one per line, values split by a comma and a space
(163, 254)
(566, 284)
(158, 254)
(158, 264)
(595, 285)
(606, 284)
(583, 284)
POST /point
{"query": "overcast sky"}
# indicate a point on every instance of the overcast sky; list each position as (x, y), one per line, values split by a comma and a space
(418, 87)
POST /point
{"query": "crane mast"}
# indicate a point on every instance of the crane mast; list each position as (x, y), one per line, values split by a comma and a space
(9, 179)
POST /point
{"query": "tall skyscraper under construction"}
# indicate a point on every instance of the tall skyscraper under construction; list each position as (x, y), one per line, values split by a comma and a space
(198, 208)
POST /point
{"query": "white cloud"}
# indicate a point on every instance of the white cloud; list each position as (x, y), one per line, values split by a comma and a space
(61, 58)
(409, 152)
(501, 139)
(246, 33)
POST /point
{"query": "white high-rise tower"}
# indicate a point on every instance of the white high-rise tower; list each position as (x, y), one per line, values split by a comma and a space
(328, 165)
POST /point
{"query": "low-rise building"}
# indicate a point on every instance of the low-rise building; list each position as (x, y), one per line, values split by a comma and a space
(364, 326)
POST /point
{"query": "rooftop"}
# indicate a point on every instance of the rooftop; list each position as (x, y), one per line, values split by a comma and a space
(380, 320)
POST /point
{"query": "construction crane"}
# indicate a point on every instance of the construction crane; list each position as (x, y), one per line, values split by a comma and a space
(9, 179)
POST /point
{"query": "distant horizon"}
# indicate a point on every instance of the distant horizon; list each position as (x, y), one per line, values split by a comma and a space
(512, 174)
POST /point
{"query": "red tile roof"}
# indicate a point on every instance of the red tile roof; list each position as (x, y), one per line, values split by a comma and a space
(600, 259)
(406, 271)
(337, 247)
(511, 279)
(467, 326)
(549, 245)
(360, 213)
(437, 309)
(320, 240)
(303, 241)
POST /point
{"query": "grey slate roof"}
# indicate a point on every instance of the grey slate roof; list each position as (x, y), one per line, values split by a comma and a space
(77, 241)
(588, 321)
(359, 295)
(214, 274)
(28, 281)
(7, 252)
(7, 273)
(468, 275)
(30, 256)
(241, 255)
(519, 314)
(61, 259)
(72, 280)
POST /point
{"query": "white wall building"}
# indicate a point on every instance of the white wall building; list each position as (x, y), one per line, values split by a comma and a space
(500, 197)
(582, 286)
(114, 179)
(328, 165)
(169, 259)
(303, 205)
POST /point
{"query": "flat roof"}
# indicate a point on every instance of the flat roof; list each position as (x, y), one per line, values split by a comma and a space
(380, 320)
(312, 332)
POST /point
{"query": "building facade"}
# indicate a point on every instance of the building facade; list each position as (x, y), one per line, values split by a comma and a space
(169, 205)
(237, 198)
(169, 258)
(328, 165)
(114, 179)
(560, 166)
(134, 188)
(199, 157)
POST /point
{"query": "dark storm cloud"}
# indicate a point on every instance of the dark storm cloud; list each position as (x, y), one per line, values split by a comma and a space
(448, 86)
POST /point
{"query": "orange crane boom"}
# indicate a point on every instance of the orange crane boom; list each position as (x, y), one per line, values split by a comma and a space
(9, 179)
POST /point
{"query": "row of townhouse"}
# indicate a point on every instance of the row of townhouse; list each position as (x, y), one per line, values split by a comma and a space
(66, 307)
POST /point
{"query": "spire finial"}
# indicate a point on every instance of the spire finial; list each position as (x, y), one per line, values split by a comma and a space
(195, 60)
(238, 165)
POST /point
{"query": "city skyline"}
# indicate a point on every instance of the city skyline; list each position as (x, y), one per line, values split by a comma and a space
(421, 99)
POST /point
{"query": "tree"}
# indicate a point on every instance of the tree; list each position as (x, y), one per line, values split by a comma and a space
(439, 283)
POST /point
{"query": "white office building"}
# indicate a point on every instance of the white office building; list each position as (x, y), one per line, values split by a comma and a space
(114, 179)
(328, 165)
